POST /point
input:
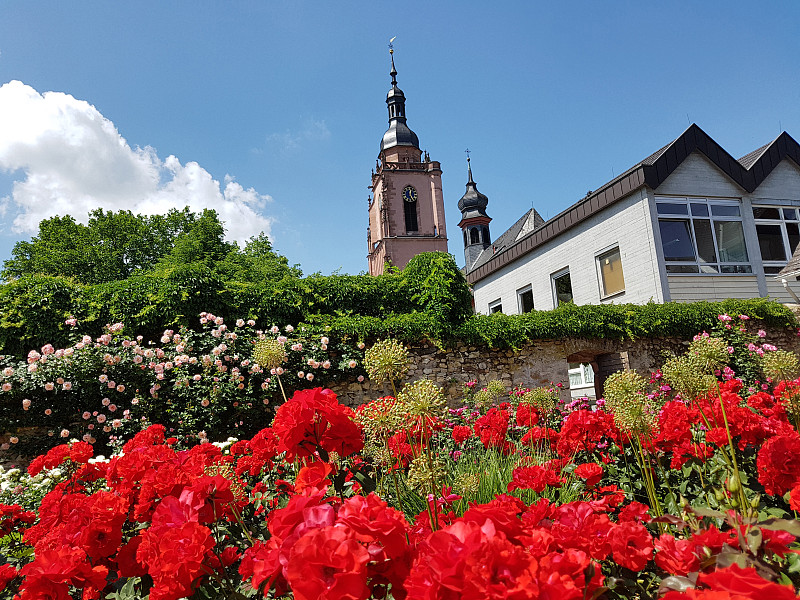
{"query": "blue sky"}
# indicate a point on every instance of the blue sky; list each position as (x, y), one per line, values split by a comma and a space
(272, 112)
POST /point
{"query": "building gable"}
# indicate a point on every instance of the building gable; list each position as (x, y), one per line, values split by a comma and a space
(783, 182)
(696, 175)
(743, 175)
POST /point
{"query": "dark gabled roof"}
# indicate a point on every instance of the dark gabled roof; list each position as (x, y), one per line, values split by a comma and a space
(748, 173)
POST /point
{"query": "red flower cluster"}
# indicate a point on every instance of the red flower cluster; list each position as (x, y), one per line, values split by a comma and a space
(13, 518)
(324, 550)
(312, 420)
(734, 583)
(583, 430)
(491, 428)
(78, 453)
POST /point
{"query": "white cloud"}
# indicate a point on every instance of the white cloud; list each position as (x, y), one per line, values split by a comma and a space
(73, 160)
(312, 130)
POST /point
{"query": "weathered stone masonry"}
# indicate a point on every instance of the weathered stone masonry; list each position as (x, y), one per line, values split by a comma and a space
(537, 364)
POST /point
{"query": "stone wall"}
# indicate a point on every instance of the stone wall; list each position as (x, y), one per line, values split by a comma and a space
(537, 364)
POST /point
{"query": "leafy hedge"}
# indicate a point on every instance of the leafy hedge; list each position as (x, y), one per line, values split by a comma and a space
(429, 299)
(34, 308)
(610, 321)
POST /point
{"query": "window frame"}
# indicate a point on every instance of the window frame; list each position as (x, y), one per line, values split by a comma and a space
(772, 267)
(598, 257)
(524, 290)
(719, 267)
(581, 370)
(558, 274)
(496, 306)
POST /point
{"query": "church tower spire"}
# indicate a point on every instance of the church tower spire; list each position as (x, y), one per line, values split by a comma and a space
(398, 133)
(474, 220)
(406, 208)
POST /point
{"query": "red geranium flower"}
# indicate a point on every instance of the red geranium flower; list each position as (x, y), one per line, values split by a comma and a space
(312, 420)
(461, 433)
(591, 472)
(631, 545)
(534, 478)
(328, 564)
(779, 464)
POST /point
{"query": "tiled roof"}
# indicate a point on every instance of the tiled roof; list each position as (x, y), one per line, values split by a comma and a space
(749, 159)
(792, 268)
(748, 172)
(509, 237)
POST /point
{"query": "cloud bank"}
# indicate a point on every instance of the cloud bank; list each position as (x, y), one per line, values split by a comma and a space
(72, 160)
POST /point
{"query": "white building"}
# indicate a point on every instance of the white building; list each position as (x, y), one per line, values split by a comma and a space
(687, 223)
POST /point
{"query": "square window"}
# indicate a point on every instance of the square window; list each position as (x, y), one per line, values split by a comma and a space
(562, 287)
(612, 280)
(525, 300)
(676, 239)
(770, 240)
(496, 307)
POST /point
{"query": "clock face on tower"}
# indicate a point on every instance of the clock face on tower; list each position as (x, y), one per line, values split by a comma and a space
(409, 194)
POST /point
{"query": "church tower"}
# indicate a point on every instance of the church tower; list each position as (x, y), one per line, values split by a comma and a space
(474, 221)
(406, 207)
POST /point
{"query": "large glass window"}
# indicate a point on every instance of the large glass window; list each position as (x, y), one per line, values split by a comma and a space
(702, 236)
(562, 287)
(778, 235)
(610, 267)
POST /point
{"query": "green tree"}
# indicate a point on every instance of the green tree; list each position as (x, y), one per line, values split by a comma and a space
(257, 262)
(112, 246)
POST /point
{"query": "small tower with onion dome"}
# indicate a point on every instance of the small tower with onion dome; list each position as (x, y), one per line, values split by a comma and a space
(474, 220)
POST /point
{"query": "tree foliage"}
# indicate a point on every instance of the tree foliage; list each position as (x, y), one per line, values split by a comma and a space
(114, 246)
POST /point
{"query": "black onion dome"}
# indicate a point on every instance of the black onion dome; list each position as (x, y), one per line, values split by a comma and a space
(473, 203)
(398, 134)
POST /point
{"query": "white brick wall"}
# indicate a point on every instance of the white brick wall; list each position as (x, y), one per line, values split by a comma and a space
(626, 223)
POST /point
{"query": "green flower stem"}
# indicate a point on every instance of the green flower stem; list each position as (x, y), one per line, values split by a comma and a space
(283, 393)
(743, 503)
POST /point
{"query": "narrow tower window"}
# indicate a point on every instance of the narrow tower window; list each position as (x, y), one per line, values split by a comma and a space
(411, 215)
(486, 239)
(474, 236)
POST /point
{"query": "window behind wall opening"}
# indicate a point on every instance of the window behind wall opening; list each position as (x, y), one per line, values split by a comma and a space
(562, 287)
(611, 278)
(525, 297)
(702, 236)
(778, 235)
(474, 236)
(410, 209)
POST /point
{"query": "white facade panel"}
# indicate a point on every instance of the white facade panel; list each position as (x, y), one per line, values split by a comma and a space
(713, 288)
(776, 291)
(626, 224)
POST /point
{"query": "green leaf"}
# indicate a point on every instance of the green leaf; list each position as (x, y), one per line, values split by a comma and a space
(792, 526)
